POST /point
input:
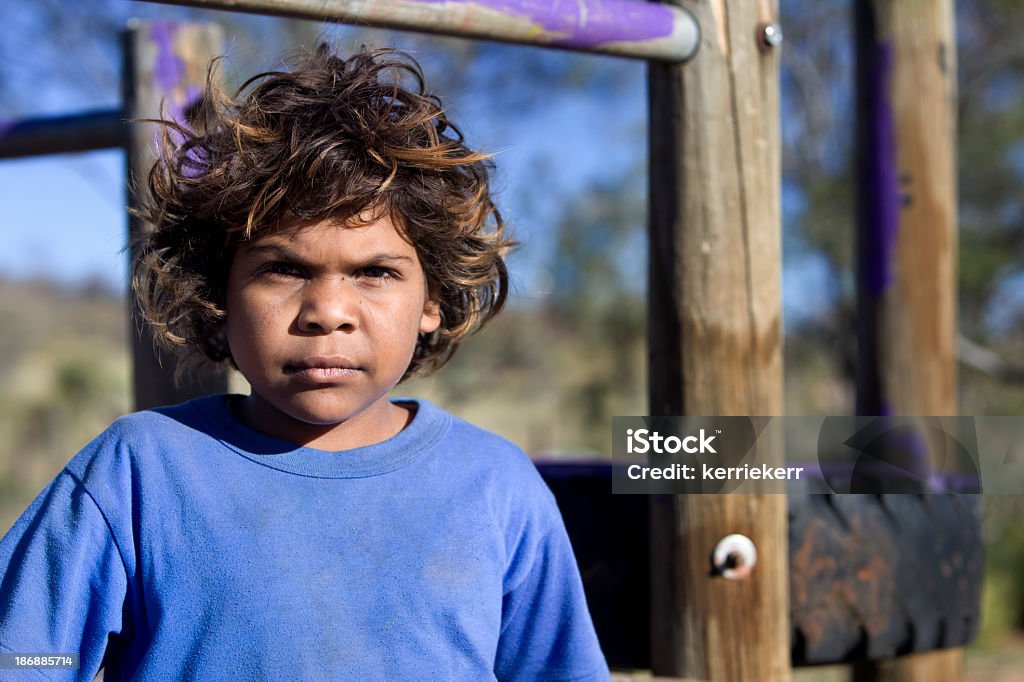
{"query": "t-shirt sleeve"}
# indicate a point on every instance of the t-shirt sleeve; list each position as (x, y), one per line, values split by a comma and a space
(546, 632)
(62, 582)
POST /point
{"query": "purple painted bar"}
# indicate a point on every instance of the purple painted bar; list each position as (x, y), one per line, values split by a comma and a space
(624, 28)
(877, 206)
(586, 24)
(882, 227)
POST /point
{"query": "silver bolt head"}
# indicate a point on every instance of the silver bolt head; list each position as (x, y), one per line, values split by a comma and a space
(734, 557)
(771, 35)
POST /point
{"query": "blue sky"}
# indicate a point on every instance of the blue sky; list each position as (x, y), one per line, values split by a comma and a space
(64, 218)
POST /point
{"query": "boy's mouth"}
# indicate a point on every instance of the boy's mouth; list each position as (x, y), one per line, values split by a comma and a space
(323, 369)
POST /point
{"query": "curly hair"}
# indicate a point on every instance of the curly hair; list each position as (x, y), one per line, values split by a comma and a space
(333, 138)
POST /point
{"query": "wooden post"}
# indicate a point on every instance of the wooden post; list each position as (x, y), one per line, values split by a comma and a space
(625, 28)
(165, 65)
(715, 336)
(907, 241)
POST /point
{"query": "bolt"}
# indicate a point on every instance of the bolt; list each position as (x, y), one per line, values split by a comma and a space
(770, 36)
(734, 557)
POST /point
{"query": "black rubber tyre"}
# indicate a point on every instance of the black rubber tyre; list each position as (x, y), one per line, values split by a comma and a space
(874, 576)
(871, 576)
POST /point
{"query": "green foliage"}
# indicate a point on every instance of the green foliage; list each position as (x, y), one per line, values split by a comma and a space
(1003, 599)
(64, 369)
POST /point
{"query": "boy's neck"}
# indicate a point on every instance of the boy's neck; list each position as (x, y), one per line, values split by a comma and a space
(375, 424)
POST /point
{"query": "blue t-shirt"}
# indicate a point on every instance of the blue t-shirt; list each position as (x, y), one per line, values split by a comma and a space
(181, 544)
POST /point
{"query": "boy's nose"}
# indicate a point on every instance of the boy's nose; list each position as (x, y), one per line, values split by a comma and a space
(328, 305)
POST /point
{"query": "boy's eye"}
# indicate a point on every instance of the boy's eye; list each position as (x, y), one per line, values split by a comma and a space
(377, 272)
(281, 269)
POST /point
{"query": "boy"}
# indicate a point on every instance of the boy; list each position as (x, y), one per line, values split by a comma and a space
(328, 234)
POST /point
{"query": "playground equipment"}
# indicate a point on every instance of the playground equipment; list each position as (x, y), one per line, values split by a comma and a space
(616, 27)
(715, 325)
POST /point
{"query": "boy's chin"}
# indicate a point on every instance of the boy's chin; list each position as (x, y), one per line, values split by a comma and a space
(326, 411)
(307, 415)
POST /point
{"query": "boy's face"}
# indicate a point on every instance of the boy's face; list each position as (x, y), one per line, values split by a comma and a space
(322, 320)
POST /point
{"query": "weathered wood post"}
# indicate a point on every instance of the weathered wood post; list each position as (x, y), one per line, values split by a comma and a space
(165, 66)
(907, 241)
(715, 335)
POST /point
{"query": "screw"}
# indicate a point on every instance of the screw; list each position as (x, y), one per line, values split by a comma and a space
(770, 36)
(734, 557)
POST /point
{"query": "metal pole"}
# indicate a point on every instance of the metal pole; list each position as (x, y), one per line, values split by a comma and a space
(62, 134)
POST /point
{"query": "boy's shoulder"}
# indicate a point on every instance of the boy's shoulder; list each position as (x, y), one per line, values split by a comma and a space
(480, 439)
(123, 444)
(151, 425)
(484, 448)
(491, 468)
(142, 423)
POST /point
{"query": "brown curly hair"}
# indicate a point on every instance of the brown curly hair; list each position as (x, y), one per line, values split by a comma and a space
(333, 138)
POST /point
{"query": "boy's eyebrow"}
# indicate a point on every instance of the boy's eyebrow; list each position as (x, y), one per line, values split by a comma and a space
(287, 254)
(388, 258)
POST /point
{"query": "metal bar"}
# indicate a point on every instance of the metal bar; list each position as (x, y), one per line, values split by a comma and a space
(625, 28)
(62, 134)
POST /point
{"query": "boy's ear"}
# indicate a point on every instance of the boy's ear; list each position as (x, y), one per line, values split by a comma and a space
(431, 318)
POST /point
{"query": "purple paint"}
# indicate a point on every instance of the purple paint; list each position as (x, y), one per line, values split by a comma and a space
(585, 24)
(882, 223)
(169, 69)
(170, 74)
(912, 443)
